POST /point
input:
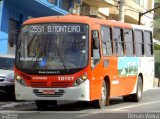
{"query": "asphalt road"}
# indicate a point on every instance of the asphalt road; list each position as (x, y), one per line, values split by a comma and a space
(148, 108)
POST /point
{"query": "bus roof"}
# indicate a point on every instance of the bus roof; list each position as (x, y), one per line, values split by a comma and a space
(82, 19)
(141, 27)
(75, 19)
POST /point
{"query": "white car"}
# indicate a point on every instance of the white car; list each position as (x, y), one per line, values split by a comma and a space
(6, 74)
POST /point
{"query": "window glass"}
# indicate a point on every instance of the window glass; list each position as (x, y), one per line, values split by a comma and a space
(148, 43)
(128, 34)
(6, 63)
(106, 40)
(54, 2)
(52, 47)
(95, 48)
(64, 4)
(118, 41)
(139, 49)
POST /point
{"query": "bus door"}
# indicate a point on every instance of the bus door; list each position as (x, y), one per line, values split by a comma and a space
(96, 66)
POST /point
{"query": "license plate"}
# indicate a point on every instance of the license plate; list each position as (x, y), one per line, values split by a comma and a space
(48, 92)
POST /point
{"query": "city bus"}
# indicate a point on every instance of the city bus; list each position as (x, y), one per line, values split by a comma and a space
(81, 58)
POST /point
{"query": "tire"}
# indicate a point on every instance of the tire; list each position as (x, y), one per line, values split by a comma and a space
(138, 95)
(127, 98)
(101, 103)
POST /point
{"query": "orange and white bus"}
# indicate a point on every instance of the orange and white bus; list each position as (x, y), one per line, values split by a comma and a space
(80, 58)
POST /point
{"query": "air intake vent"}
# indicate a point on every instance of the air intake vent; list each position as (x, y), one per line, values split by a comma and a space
(2, 78)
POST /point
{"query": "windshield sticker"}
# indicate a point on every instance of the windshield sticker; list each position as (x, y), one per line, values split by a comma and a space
(56, 29)
(32, 59)
(43, 62)
(32, 54)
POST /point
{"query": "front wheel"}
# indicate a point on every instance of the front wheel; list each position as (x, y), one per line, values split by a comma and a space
(101, 103)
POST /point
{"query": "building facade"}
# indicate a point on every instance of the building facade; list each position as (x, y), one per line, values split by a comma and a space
(109, 9)
(157, 21)
(14, 12)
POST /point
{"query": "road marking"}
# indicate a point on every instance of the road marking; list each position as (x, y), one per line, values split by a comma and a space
(84, 115)
(148, 103)
(18, 112)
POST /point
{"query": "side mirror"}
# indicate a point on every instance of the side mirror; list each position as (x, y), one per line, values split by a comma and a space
(95, 38)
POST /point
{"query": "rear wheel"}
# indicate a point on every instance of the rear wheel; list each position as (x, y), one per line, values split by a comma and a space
(101, 103)
(138, 95)
(127, 98)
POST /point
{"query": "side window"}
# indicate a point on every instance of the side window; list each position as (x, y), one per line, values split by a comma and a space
(128, 35)
(139, 49)
(95, 57)
(118, 41)
(106, 41)
(148, 43)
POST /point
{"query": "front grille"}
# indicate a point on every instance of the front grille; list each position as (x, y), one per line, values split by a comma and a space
(49, 85)
(2, 78)
(60, 84)
(38, 84)
(58, 93)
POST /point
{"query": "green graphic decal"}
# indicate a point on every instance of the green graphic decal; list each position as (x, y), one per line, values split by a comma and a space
(127, 66)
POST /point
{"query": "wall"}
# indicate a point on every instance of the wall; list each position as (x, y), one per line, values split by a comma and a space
(0, 13)
(21, 12)
(9, 11)
(157, 63)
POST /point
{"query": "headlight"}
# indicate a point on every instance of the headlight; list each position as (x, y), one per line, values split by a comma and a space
(10, 78)
(80, 80)
(20, 80)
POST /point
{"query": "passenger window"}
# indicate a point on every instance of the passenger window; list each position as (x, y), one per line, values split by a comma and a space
(106, 41)
(139, 46)
(118, 41)
(148, 43)
(128, 35)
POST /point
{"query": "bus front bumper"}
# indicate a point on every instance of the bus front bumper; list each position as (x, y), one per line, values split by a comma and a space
(78, 93)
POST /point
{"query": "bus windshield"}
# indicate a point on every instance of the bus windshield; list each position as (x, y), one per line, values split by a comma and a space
(49, 47)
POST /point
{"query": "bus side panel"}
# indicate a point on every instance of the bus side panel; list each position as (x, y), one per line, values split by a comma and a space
(146, 67)
(96, 81)
(110, 70)
(124, 80)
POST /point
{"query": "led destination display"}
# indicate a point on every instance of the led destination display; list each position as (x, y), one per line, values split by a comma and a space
(56, 28)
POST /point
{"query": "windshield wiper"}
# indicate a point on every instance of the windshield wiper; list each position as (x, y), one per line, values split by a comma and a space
(61, 56)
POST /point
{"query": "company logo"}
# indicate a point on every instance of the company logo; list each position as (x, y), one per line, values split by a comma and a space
(39, 78)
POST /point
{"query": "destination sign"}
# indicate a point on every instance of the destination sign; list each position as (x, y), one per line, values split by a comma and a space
(59, 28)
